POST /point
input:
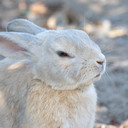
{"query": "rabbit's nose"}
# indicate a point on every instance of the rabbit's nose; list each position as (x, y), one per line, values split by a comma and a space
(100, 62)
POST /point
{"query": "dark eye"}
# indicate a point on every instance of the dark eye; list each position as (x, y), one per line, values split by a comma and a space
(63, 54)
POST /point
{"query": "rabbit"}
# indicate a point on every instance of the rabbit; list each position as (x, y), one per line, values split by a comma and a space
(46, 79)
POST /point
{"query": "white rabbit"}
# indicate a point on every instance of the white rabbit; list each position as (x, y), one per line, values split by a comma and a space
(46, 80)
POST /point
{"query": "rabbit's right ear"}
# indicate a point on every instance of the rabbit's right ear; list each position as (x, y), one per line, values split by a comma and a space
(18, 46)
(22, 25)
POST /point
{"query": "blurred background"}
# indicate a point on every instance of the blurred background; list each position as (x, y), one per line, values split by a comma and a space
(106, 22)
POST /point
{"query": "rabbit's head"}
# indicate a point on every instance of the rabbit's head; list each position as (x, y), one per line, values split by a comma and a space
(63, 59)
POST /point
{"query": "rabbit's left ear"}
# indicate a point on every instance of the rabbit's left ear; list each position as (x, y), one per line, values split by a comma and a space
(18, 45)
(23, 25)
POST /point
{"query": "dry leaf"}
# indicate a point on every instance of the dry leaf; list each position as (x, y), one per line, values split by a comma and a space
(124, 125)
(114, 33)
(104, 126)
(38, 8)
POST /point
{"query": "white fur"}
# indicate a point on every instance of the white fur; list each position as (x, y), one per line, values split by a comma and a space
(35, 68)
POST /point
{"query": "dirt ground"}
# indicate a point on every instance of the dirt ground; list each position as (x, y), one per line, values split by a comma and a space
(106, 22)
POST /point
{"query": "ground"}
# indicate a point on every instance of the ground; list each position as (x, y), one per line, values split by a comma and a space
(106, 22)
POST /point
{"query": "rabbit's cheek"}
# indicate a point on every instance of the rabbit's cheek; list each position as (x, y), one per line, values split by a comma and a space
(75, 70)
(65, 64)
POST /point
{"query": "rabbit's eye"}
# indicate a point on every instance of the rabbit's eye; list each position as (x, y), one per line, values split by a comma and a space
(63, 54)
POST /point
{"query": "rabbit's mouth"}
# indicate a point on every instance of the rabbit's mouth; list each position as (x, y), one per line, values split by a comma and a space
(101, 71)
(98, 75)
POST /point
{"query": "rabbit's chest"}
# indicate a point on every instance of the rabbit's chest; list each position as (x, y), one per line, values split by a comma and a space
(47, 108)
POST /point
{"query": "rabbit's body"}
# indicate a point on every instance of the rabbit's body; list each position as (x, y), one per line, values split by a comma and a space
(48, 80)
(29, 104)
(50, 108)
(13, 93)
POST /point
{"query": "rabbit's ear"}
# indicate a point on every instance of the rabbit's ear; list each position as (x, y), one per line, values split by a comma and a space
(17, 45)
(22, 25)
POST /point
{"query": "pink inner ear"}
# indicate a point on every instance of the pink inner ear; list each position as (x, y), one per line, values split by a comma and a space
(11, 46)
